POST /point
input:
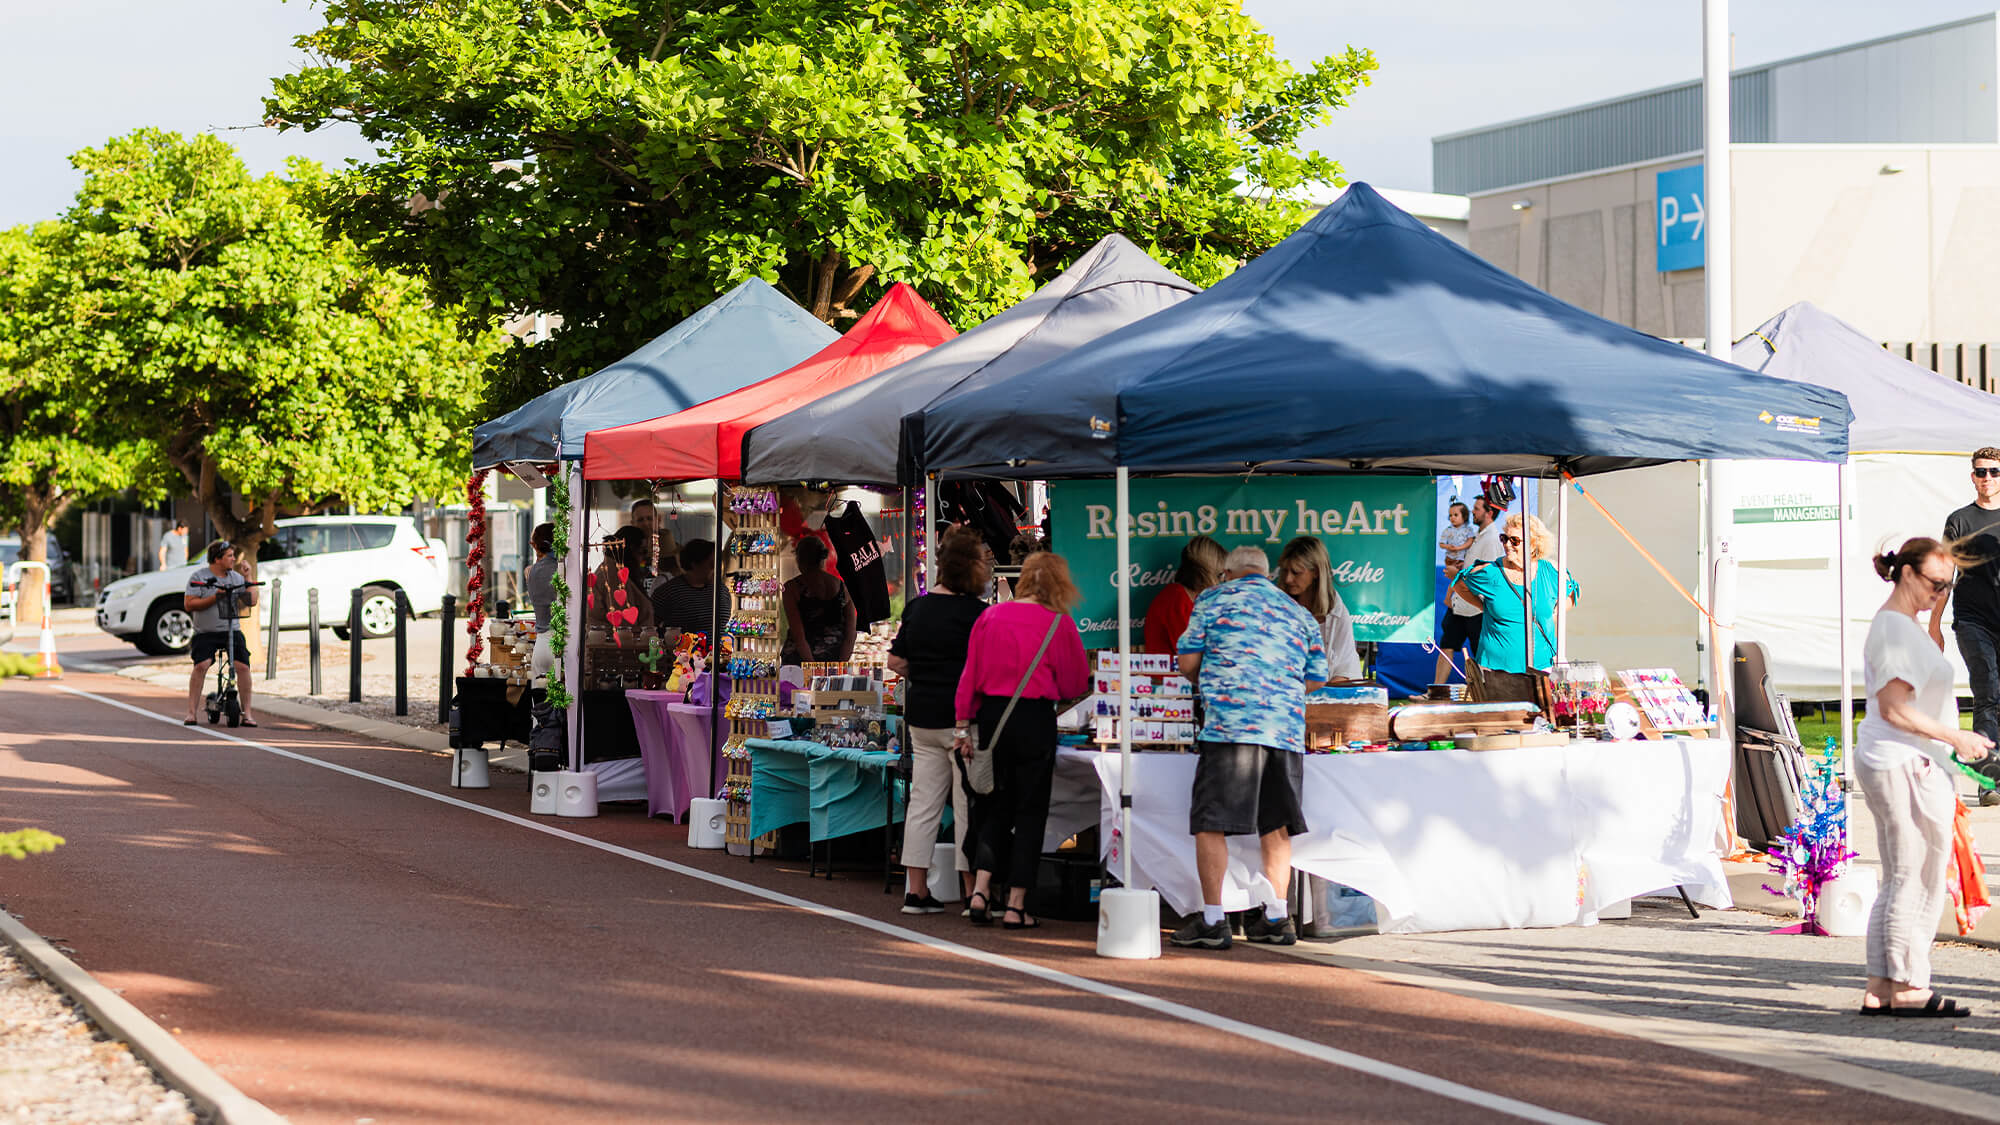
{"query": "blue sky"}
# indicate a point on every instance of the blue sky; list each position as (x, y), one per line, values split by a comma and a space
(76, 72)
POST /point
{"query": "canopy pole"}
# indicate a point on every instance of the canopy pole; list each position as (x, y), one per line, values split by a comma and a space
(1527, 577)
(715, 627)
(1125, 677)
(1562, 570)
(929, 530)
(577, 570)
(1846, 661)
(1717, 263)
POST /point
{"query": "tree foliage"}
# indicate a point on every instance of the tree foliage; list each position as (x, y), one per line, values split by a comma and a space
(270, 368)
(618, 164)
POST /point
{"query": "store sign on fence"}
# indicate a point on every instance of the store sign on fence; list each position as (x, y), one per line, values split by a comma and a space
(1380, 534)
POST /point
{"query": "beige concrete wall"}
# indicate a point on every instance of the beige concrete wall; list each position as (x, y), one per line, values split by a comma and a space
(1912, 254)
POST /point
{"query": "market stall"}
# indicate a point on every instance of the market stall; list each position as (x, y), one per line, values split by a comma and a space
(1366, 343)
(706, 443)
(742, 336)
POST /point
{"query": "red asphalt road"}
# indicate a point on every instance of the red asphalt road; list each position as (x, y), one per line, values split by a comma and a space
(342, 950)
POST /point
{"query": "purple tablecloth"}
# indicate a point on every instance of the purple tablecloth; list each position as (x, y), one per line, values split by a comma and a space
(680, 748)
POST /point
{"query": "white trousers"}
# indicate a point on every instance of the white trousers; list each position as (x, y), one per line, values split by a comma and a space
(932, 777)
(1912, 804)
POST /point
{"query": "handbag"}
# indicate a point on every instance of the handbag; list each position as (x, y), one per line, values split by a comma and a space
(978, 768)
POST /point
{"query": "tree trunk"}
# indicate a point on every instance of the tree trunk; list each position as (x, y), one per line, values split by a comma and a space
(38, 514)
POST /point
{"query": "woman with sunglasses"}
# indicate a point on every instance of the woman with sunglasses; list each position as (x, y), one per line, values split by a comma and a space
(1505, 671)
(1901, 760)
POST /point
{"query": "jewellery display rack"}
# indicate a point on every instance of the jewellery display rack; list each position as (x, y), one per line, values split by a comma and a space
(756, 613)
(1161, 699)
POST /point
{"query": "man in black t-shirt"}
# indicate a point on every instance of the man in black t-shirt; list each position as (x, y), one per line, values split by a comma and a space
(1973, 532)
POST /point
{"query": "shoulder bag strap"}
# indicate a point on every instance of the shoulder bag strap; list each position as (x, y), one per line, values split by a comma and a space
(1008, 713)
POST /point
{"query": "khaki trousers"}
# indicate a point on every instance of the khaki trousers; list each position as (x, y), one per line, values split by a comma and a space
(933, 776)
(1912, 804)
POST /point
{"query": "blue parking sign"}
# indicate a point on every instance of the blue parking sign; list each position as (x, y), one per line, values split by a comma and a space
(1679, 218)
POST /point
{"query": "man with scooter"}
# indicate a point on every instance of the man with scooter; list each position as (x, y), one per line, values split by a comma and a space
(216, 596)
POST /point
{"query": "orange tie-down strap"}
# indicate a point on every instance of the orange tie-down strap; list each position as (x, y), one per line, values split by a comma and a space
(1637, 546)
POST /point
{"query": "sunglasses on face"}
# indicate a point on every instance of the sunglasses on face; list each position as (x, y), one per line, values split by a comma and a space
(1986, 472)
(1510, 540)
(1939, 585)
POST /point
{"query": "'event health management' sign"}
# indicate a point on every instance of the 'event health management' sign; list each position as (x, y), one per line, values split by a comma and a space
(1680, 219)
(1380, 534)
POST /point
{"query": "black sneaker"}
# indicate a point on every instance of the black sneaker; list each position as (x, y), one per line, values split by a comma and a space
(1260, 929)
(1198, 935)
(925, 905)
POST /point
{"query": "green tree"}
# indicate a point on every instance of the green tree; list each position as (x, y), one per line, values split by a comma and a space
(618, 164)
(56, 448)
(274, 369)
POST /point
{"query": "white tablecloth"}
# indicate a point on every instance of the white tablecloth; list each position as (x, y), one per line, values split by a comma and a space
(1447, 840)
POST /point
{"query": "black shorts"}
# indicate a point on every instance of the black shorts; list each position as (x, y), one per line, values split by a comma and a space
(207, 646)
(1460, 632)
(1244, 790)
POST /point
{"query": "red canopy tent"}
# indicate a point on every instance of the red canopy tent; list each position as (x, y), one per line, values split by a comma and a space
(706, 440)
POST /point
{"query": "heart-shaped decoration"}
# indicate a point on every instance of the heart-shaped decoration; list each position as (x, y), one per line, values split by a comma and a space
(619, 596)
(631, 615)
(590, 579)
(624, 575)
(590, 599)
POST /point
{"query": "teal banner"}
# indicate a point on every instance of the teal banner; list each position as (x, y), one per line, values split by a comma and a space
(1380, 533)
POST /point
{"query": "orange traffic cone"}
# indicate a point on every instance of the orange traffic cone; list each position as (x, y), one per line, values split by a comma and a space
(47, 666)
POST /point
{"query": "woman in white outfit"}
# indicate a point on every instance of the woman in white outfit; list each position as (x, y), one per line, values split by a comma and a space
(1902, 762)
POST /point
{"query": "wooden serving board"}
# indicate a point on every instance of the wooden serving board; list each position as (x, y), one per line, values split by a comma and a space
(1443, 720)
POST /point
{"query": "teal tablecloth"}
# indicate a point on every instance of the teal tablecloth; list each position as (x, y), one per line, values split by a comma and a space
(837, 791)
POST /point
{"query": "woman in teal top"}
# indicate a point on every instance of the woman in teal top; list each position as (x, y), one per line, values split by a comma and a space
(1495, 588)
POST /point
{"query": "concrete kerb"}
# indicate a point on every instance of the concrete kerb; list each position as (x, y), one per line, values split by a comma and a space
(118, 1018)
(512, 760)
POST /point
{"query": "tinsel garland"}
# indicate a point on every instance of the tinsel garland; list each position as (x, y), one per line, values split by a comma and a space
(558, 693)
(1813, 851)
(475, 561)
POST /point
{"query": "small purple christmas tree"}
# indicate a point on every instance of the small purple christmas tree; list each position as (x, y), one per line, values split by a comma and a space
(1813, 851)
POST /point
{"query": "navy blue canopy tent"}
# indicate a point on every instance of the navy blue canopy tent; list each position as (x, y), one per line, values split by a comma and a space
(747, 334)
(1366, 342)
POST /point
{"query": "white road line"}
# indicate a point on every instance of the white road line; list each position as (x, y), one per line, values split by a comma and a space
(1270, 1038)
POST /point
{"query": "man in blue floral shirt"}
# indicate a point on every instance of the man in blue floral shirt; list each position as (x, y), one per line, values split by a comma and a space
(1253, 654)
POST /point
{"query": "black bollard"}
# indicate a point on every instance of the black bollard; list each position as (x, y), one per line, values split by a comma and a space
(271, 641)
(402, 653)
(312, 639)
(447, 654)
(354, 646)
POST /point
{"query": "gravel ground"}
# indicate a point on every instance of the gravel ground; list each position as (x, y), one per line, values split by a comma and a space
(56, 1068)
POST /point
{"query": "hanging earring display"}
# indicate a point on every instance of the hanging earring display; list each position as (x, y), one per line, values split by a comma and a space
(475, 561)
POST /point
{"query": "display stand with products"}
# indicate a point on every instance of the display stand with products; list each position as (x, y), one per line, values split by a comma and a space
(1162, 702)
(753, 631)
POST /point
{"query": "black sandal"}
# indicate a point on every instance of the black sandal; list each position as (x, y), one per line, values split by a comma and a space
(1027, 922)
(1938, 1007)
(981, 915)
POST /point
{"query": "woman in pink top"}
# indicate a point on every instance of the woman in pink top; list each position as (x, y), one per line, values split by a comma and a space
(1007, 824)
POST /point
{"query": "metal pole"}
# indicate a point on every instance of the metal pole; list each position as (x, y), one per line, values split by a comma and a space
(1846, 662)
(1124, 676)
(271, 640)
(715, 582)
(354, 645)
(447, 657)
(930, 530)
(402, 653)
(575, 567)
(1562, 567)
(1717, 264)
(1527, 578)
(312, 640)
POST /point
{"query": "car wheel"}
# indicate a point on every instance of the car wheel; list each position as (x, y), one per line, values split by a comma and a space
(378, 611)
(169, 629)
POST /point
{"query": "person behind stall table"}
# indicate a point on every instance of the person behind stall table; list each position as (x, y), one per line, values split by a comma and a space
(1253, 655)
(685, 603)
(1462, 620)
(212, 634)
(624, 544)
(1974, 534)
(1902, 758)
(819, 616)
(928, 652)
(541, 586)
(646, 518)
(999, 655)
(1306, 573)
(1458, 535)
(1504, 673)
(1167, 616)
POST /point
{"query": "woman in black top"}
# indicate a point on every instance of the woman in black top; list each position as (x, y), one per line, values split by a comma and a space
(929, 653)
(819, 617)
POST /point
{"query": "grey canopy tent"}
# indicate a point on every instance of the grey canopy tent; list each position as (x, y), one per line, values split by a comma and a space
(1898, 406)
(852, 435)
(745, 335)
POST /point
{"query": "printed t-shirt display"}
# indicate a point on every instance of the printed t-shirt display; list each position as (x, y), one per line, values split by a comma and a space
(1501, 640)
(860, 557)
(1258, 648)
(1899, 649)
(935, 632)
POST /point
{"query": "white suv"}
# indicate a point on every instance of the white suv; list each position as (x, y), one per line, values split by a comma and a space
(334, 554)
